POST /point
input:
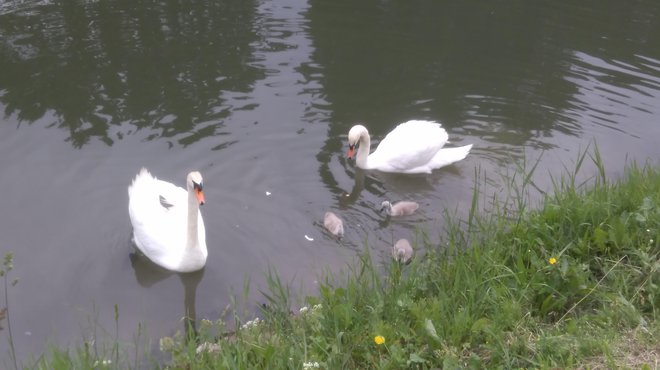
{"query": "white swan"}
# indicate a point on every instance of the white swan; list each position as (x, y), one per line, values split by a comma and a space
(167, 224)
(412, 147)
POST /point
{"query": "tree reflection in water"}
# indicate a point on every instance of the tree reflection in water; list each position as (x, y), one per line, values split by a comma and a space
(103, 70)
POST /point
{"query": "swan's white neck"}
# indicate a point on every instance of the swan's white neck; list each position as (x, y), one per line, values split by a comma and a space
(363, 150)
(193, 211)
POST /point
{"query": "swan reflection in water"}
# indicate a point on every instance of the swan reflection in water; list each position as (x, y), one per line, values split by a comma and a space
(147, 274)
(374, 182)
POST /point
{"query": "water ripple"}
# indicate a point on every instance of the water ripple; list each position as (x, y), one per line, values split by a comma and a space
(612, 92)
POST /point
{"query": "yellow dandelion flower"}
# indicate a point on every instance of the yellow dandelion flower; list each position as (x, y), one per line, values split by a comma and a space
(379, 339)
(552, 260)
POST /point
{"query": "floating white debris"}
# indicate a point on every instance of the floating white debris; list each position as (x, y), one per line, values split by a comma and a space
(268, 193)
(308, 238)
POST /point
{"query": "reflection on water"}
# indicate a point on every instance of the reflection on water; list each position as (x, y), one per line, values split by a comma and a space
(614, 91)
(259, 96)
(147, 273)
(104, 70)
(500, 72)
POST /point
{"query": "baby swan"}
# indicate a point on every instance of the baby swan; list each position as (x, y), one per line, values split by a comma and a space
(334, 224)
(402, 251)
(402, 208)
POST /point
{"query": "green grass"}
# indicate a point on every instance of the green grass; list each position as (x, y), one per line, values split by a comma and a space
(487, 296)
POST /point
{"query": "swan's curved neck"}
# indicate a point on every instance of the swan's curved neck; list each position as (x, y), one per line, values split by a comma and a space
(193, 211)
(363, 150)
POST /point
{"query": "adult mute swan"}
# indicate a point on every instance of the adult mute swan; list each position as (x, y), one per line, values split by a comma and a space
(412, 147)
(167, 224)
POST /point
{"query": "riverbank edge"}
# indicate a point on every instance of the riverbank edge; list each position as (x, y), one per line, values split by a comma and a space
(571, 283)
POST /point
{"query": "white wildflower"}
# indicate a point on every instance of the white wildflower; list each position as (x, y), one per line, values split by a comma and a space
(311, 365)
(303, 309)
(166, 344)
(251, 323)
(206, 324)
(208, 347)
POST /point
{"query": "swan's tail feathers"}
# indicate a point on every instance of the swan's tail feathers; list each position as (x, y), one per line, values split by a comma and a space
(447, 156)
(144, 173)
(141, 177)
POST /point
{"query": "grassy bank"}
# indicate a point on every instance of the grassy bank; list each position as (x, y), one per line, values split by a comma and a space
(572, 283)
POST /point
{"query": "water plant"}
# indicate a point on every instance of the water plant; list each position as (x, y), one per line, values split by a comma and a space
(7, 266)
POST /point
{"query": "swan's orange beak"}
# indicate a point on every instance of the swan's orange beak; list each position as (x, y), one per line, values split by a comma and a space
(200, 196)
(351, 151)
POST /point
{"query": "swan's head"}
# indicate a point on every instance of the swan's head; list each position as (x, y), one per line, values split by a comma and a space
(354, 136)
(195, 183)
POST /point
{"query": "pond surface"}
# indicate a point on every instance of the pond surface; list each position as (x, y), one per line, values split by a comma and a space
(259, 96)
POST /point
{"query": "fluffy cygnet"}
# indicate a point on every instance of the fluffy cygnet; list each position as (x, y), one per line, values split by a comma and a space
(402, 208)
(334, 224)
(402, 251)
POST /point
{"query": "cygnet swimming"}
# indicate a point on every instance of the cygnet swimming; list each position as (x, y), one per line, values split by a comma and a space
(334, 224)
(402, 208)
(402, 251)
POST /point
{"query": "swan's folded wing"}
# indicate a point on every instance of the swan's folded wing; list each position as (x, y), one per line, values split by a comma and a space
(410, 145)
(164, 202)
(156, 208)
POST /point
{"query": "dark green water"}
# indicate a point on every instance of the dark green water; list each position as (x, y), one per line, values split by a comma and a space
(259, 96)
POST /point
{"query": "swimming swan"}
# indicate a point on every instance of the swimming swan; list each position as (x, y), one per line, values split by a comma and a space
(333, 224)
(412, 147)
(402, 251)
(167, 224)
(403, 208)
